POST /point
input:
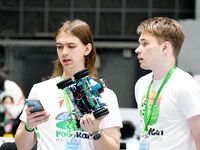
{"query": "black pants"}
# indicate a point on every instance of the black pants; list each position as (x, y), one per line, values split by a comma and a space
(12, 146)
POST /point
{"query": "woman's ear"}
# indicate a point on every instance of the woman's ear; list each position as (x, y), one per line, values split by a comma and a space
(88, 49)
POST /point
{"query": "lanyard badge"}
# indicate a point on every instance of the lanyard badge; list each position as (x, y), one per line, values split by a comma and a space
(149, 111)
(151, 114)
(144, 144)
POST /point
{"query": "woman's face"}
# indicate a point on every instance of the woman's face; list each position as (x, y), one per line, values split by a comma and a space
(71, 53)
(7, 102)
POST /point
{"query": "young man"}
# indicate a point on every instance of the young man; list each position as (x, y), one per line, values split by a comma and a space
(55, 126)
(168, 98)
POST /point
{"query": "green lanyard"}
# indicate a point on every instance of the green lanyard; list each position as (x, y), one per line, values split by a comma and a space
(69, 109)
(147, 116)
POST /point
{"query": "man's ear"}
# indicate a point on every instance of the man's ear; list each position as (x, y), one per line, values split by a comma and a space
(88, 49)
(166, 46)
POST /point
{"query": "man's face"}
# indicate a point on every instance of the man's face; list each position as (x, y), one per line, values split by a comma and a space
(71, 52)
(148, 51)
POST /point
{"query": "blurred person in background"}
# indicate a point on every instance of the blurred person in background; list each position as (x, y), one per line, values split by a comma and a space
(54, 128)
(168, 98)
(10, 88)
(11, 101)
(8, 123)
(128, 135)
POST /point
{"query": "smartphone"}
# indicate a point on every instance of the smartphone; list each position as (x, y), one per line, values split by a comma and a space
(36, 104)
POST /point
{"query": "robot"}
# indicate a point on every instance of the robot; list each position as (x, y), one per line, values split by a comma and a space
(84, 94)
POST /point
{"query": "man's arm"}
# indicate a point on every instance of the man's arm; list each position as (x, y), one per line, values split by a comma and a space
(194, 123)
(24, 140)
(25, 136)
(110, 139)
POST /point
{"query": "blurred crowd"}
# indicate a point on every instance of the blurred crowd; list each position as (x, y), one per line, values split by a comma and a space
(11, 105)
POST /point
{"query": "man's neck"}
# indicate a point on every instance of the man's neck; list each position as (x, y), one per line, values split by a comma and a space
(162, 71)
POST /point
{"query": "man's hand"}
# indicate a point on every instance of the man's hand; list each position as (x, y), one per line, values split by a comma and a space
(89, 123)
(33, 119)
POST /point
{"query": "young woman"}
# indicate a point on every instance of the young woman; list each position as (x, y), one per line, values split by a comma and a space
(52, 128)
